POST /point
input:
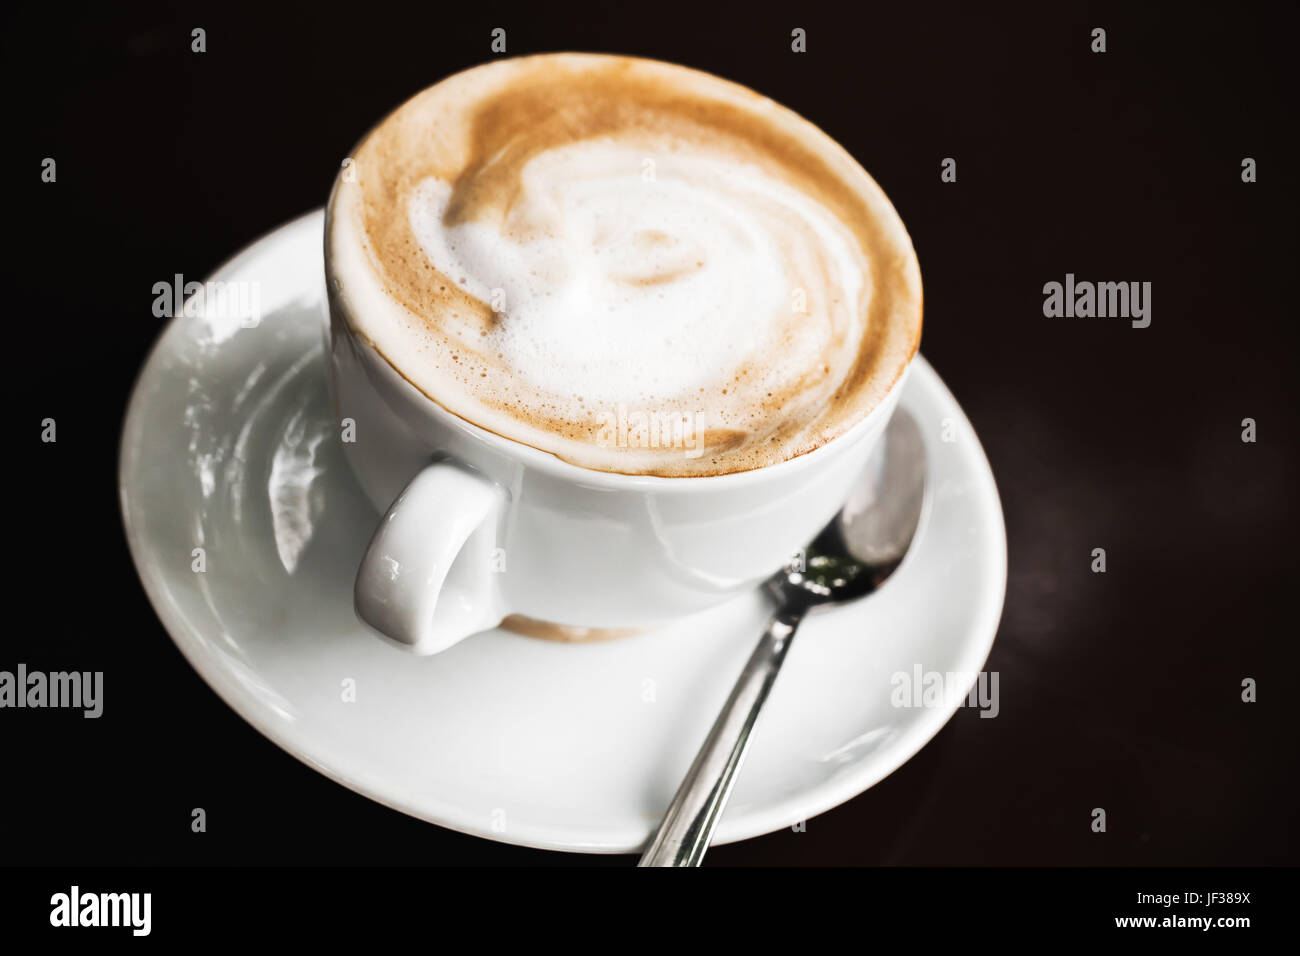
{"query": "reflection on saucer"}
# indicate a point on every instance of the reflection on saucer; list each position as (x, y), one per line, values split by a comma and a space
(547, 631)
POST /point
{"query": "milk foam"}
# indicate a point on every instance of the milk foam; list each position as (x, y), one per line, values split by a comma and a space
(644, 290)
(617, 282)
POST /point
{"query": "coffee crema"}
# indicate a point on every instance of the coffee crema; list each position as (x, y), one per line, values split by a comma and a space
(635, 266)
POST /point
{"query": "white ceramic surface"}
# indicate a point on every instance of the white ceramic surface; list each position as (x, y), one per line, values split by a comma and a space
(488, 527)
(230, 444)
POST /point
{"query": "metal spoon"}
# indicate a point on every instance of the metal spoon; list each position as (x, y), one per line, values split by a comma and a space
(851, 557)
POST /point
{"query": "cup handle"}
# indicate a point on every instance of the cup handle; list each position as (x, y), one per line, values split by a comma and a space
(428, 578)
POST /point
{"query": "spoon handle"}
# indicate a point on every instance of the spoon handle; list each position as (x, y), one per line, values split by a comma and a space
(684, 834)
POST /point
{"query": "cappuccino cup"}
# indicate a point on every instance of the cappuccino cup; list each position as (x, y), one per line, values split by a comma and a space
(610, 341)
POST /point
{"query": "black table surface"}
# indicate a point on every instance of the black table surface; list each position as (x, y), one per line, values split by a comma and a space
(1120, 690)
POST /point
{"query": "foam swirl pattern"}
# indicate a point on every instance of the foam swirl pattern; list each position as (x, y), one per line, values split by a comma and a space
(635, 266)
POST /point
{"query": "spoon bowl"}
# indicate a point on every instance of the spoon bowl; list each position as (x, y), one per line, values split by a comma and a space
(866, 541)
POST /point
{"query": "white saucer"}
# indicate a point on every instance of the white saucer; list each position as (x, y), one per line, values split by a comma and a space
(229, 446)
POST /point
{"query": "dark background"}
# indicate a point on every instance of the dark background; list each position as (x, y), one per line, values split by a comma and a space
(1119, 690)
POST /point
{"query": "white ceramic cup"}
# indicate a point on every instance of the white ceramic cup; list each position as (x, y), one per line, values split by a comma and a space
(478, 527)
